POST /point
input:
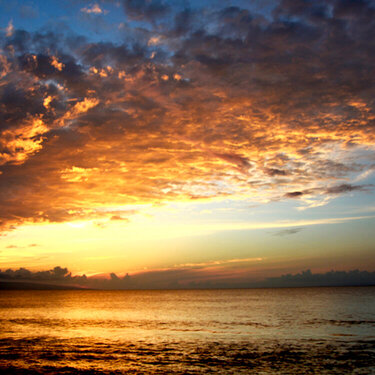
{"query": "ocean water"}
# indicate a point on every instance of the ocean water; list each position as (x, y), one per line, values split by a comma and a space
(247, 331)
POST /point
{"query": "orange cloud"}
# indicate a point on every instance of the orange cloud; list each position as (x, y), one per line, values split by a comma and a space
(248, 116)
(55, 63)
(93, 9)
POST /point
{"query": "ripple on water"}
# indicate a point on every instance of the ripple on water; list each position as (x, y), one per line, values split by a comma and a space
(46, 355)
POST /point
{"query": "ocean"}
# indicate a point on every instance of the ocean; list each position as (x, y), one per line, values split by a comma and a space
(237, 331)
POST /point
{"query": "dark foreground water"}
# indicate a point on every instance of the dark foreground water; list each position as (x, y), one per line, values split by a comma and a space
(264, 331)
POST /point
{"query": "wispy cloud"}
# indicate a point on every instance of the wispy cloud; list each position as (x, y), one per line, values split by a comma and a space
(214, 263)
(9, 29)
(282, 224)
(288, 232)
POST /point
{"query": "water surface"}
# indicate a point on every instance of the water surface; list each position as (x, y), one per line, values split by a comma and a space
(285, 331)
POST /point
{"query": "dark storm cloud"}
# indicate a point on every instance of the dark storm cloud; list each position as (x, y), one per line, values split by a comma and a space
(283, 101)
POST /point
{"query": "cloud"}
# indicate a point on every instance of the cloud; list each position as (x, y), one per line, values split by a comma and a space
(93, 9)
(9, 29)
(331, 278)
(145, 9)
(119, 218)
(191, 277)
(55, 274)
(295, 194)
(18, 247)
(254, 108)
(332, 190)
(345, 188)
(287, 232)
(241, 162)
(215, 263)
(275, 172)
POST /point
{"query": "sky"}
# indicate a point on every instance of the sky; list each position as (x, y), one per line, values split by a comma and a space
(187, 140)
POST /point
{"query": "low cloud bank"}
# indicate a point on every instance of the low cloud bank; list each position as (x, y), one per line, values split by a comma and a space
(188, 279)
(331, 278)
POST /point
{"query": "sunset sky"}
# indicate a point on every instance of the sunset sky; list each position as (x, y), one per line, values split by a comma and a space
(225, 140)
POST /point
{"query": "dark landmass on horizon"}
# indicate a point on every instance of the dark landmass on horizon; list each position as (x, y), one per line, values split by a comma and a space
(60, 278)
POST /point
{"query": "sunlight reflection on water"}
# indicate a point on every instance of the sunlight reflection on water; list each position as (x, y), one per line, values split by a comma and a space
(228, 331)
